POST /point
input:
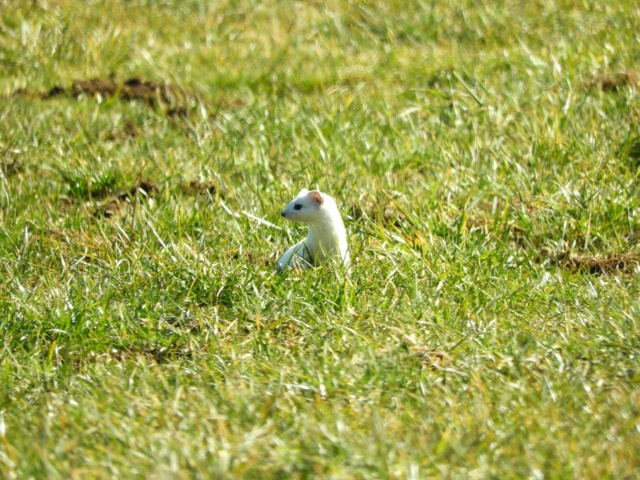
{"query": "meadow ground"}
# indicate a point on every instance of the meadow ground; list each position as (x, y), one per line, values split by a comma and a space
(486, 158)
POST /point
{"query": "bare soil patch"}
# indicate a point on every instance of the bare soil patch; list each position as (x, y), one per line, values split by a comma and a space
(629, 151)
(127, 132)
(132, 89)
(172, 100)
(433, 359)
(11, 168)
(593, 264)
(198, 188)
(143, 188)
(159, 355)
(10, 164)
(613, 82)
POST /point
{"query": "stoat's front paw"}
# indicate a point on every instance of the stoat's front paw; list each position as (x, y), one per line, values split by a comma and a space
(293, 258)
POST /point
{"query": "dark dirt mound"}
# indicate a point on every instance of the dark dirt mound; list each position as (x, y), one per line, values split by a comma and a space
(172, 100)
(146, 188)
(145, 91)
(195, 187)
(613, 82)
(11, 168)
(630, 151)
(128, 131)
(594, 264)
(143, 188)
(159, 355)
(11, 162)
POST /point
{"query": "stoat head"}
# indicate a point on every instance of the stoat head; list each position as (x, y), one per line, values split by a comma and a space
(306, 207)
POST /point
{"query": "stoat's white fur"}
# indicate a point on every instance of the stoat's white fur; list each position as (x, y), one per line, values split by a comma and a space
(327, 237)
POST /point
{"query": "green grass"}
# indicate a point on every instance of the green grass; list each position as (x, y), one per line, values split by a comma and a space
(485, 157)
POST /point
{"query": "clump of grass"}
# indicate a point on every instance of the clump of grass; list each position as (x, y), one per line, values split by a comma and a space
(90, 185)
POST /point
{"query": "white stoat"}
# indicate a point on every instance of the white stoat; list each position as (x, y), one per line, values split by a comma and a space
(327, 237)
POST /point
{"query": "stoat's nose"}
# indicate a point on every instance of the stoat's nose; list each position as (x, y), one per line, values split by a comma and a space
(282, 213)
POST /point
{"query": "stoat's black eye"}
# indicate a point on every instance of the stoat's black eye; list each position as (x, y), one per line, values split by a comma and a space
(297, 207)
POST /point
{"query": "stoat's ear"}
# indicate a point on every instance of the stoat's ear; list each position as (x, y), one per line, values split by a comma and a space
(316, 197)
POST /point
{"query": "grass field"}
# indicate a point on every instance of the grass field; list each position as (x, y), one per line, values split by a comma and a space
(485, 156)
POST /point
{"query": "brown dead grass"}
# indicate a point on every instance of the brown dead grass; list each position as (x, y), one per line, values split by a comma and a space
(433, 359)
